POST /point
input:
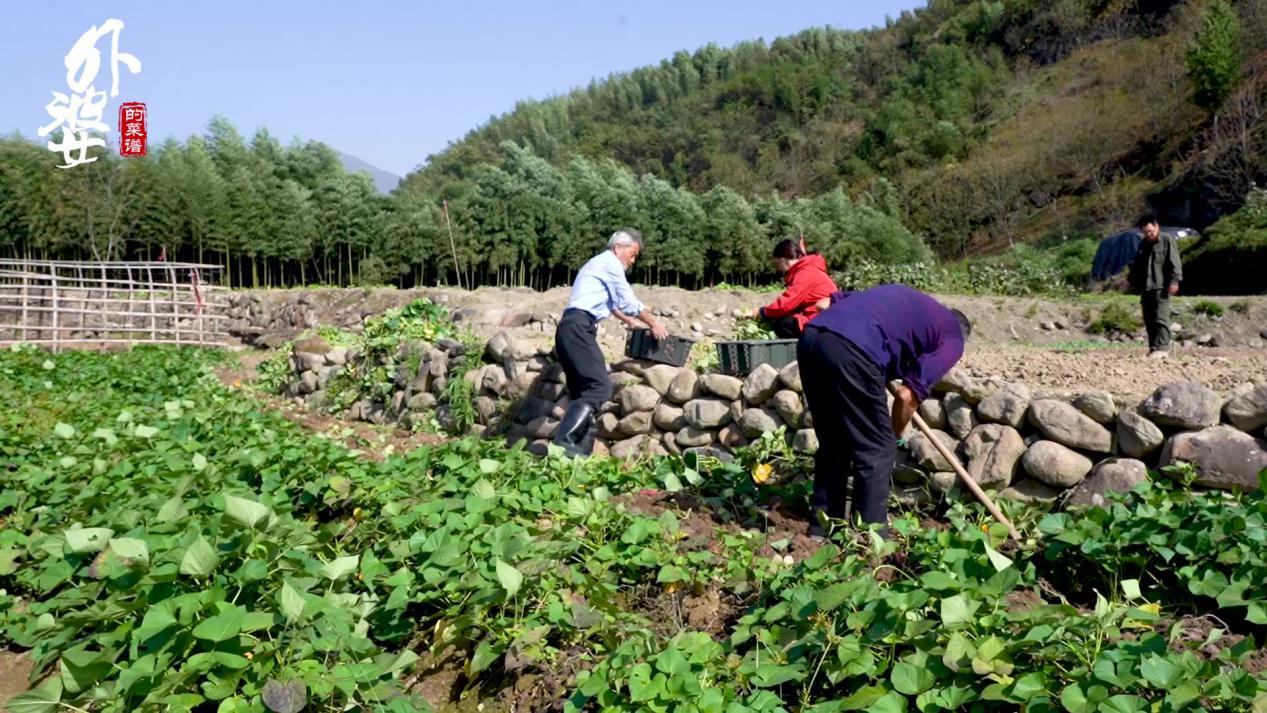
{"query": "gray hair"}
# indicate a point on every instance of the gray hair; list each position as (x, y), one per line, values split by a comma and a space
(624, 238)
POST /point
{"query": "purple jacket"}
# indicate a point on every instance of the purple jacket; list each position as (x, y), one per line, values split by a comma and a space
(908, 334)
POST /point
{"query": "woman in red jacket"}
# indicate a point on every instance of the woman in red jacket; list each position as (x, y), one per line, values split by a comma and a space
(807, 282)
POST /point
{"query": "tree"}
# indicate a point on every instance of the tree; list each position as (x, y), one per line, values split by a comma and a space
(550, 209)
(850, 232)
(1214, 57)
(157, 218)
(27, 212)
(201, 195)
(95, 206)
(347, 220)
(606, 196)
(307, 163)
(293, 224)
(672, 226)
(226, 145)
(413, 237)
(502, 210)
(1234, 153)
(736, 243)
(248, 211)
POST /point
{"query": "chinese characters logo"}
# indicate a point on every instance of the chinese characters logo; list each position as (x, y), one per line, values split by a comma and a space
(132, 129)
(79, 113)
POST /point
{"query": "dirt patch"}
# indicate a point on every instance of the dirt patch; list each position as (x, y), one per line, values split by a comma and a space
(929, 523)
(701, 524)
(539, 689)
(439, 679)
(783, 524)
(705, 612)
(1126, 373)
(1022, 600)
(711, 313)
(670, 610)
(1256, 662)
(1194, 632)
(241, 367)
(645, 502)
(15, 672)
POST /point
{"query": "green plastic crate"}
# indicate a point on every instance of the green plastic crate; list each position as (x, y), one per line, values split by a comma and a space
(739, 358)
(639, 344)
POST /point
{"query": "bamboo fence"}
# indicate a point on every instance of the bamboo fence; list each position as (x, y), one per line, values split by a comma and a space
(61, 304)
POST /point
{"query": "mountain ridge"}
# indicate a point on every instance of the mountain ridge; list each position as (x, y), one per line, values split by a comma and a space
(385, 181)
(986, 123)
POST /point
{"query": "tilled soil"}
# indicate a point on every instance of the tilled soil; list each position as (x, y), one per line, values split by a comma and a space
(1125, 372)
(789, 530)
(1040, 341)
(712, 312)
(15, 670)
(1194, 632)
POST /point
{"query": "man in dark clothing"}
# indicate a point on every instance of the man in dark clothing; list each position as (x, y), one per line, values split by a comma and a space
(848, 355)
(600, 290)
(1155, 276)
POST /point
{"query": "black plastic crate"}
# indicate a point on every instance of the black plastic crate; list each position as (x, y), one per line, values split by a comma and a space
(639, 344)
(739, 358)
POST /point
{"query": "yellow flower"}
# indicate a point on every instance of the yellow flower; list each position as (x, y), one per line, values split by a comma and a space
(761, 473)
(1151, 608)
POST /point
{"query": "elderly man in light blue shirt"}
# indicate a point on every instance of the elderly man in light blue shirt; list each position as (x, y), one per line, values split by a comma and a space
(600, 291)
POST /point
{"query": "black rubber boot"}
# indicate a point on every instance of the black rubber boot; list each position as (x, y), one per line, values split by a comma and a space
(576, 425)
(586, 445)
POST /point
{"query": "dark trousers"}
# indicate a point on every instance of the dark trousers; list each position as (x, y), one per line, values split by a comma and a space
(786, 327)
(1156, 304)
(576, 343)
(846, 394)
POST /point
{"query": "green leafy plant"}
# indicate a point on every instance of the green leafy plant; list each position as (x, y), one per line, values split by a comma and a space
(1023, 272)
(1214, 57)
(762, 288)
(1115, 317)
(703, 356)
(273, 372)
(170, 545)
(460, 393)
(754, 329)
(393, 341)
(1208, 308)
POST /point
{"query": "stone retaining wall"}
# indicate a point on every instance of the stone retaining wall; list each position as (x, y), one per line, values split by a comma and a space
(1025, 446)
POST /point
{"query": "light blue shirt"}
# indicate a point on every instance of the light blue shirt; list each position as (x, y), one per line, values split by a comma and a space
(601, 286)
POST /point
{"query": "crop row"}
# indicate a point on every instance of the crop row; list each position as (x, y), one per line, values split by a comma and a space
(167, 544)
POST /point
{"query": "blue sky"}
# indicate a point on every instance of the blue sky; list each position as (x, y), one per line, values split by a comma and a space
(387, 82)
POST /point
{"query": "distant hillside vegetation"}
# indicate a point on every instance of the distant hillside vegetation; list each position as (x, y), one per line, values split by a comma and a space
(986, 123)
(1000, 135)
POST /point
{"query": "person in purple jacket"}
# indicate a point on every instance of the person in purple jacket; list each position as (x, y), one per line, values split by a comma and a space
(848, 354)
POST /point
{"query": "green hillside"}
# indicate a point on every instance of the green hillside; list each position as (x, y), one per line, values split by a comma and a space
(990, 130)
(986, 122)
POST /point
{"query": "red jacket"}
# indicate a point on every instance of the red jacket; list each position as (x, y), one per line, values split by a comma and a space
(807, 283)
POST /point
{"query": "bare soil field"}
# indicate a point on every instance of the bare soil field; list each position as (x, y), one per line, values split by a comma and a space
(1125, 372)
(15, 670)
(1041, 341)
